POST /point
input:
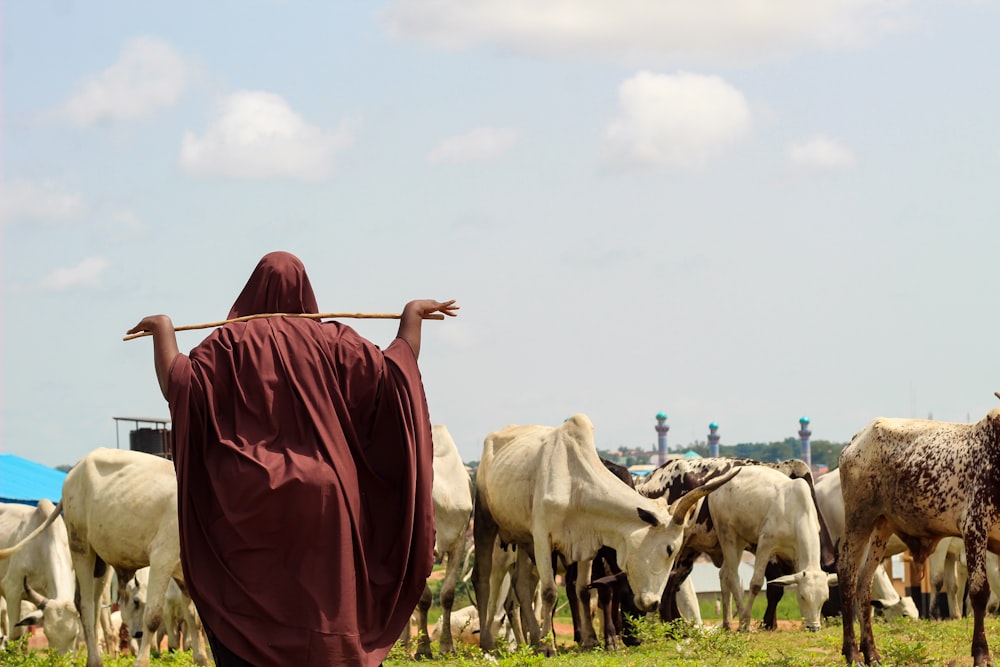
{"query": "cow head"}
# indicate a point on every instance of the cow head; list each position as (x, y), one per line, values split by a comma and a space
(651, 550)
(903, 607)
(133, 603)
(812, 588)
(58, 618)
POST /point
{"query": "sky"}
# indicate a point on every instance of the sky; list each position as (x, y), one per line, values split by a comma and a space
(730, 212)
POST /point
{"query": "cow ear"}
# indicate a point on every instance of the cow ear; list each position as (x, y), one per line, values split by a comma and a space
(34, 618)
(648, 517)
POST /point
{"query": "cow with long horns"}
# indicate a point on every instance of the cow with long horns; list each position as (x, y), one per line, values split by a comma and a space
(546, 490)
(42, 574)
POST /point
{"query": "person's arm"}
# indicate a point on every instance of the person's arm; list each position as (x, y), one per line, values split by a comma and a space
(413, 315)
(164, 345)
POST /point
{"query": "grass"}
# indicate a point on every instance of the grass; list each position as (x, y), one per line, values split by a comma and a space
(903, 643)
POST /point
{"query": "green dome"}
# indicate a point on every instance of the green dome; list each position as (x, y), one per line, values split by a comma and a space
(713, 425)
(661, 415)
(804, 420)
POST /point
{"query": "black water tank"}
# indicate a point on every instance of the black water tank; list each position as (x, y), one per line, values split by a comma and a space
(149, 440)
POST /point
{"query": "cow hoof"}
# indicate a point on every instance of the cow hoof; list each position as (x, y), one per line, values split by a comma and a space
(547, 651)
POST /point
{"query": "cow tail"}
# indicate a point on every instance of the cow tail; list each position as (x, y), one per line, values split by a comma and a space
(10, 551)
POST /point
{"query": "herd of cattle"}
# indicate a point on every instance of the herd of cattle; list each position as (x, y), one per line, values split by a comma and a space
(544, 503)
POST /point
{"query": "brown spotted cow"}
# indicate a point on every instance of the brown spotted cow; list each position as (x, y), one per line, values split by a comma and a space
(922, 480)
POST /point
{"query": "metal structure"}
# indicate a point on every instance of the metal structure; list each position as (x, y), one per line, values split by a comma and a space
(153, 437)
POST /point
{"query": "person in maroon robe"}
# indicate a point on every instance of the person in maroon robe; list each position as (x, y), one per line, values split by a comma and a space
(304, 471)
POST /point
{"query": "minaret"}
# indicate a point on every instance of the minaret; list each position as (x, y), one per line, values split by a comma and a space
(804, 435)
(661, 436)
(713, 439)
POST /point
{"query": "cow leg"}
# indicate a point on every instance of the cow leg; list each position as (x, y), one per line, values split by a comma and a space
(979, 588)
(669, 610)
(609, 627)
(12, 595)
(423, 638)
(954, 590)
(512, 610)
(525, 584)
(104, 617)
(607, 602)
(502, 595)
(687, 602)
(729, 583)
(852, 549)
(572, 597)
(938, 564)
(195, 631)
(152, 617)
(546, 578)
(773, 594)
(446, 642)
(764, 550)
(484, 532)
(588, 637)
(876, 552)
(85, 564)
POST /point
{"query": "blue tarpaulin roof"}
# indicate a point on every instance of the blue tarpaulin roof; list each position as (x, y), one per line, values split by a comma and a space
(24, 481)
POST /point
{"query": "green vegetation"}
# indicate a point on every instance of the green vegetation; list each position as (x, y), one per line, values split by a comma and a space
(903, 643)
(16, 654)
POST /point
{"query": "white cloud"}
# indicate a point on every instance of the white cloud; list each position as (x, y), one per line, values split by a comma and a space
(733, 31)
(257, 135)
(682, 120)
(820, 152)
(479, 145)
(149, 75)
(85, 274)
(29, 200)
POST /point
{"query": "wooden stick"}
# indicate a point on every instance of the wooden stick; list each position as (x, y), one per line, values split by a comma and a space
(308, 316)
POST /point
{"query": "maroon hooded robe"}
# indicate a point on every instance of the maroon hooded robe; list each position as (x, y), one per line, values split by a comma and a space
(304, 474)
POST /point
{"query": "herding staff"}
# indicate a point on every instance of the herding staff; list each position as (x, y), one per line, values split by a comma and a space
(308, 316)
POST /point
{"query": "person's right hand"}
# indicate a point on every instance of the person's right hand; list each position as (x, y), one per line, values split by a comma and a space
(426, 307)
(152, 324)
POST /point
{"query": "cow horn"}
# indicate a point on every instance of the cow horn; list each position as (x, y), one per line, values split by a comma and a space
(33, 596)
(997, 394)
(687, 501)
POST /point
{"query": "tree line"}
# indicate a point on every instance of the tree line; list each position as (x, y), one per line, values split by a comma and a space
(822, 452)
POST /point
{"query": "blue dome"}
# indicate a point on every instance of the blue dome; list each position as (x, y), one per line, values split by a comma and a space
(661, 415)
(804, 420)
(713, 425)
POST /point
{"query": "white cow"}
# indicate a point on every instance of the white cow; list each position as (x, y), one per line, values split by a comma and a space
(181, 622)
(830, 502)
(773, 515)
(948, 570)
(545, 489)
(452, 494)
(42, 573)
(120, 509)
